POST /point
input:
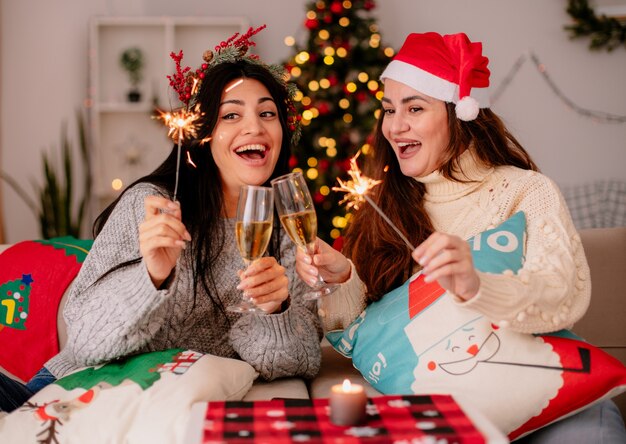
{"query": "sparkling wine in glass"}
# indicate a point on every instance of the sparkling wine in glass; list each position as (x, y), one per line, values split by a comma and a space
(253, 229)
(297, 215)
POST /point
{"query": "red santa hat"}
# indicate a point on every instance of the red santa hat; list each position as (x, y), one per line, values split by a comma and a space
(449, 68)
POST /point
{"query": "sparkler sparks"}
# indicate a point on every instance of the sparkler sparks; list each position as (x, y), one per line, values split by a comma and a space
(182, 123)
(356, 191)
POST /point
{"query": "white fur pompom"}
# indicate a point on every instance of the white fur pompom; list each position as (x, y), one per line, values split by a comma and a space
(467, 109)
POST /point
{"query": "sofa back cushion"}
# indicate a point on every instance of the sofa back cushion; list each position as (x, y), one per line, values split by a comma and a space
(603, 325)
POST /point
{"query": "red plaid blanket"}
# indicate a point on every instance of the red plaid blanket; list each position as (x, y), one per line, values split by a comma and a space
(407, 419)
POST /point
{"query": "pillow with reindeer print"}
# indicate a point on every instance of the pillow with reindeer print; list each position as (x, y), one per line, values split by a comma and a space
(416, 340)
(139, 399)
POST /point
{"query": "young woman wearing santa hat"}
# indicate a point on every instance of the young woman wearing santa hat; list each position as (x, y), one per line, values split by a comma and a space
(450, 169)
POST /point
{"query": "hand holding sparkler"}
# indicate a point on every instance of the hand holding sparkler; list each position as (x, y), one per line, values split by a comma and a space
(356, 191)
(162, 237)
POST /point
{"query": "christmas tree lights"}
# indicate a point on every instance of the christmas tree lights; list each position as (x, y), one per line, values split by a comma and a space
(337, 70)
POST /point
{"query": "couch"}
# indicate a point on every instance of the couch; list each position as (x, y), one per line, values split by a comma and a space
(603, 325)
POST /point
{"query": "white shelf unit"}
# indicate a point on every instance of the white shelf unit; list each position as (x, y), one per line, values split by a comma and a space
(127, 143)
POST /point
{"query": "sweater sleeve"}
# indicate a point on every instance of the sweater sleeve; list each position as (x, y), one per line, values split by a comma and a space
(552, 289)
(110, 317)
(283, 344)
(339, 309)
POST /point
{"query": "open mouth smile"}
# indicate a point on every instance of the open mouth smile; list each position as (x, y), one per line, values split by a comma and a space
(408, 147)
(252, 152)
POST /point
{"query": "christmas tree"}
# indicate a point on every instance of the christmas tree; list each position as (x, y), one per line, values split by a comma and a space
(14, 302)
(337, 72)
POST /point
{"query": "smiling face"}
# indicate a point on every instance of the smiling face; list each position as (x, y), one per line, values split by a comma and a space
(247, 137)
(416, 126)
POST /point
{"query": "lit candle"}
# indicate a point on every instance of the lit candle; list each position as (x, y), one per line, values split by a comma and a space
(347, 404)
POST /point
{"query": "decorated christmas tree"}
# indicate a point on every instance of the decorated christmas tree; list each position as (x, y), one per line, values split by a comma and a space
(337, 71)
(14, 302)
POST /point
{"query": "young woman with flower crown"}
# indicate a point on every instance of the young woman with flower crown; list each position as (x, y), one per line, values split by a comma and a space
(450, 169)
(161, 272)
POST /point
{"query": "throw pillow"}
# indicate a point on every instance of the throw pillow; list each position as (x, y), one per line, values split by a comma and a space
(33, 277)
(416, 340)
(143, 398)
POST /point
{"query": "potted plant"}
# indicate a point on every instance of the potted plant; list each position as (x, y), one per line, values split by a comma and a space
(54, 202)
(132, 61)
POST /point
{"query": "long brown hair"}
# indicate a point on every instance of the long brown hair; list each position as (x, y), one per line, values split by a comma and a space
(200, 194)
(379, 255)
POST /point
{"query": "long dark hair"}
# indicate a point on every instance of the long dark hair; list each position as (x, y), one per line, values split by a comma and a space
(200, 189)
(379, 255)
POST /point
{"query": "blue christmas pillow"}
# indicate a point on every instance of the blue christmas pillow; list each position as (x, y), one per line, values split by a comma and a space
(417, 340)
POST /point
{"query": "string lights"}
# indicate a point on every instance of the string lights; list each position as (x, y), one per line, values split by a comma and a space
(597, 116)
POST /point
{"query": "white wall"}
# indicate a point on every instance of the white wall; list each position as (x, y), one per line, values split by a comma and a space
(44, 75)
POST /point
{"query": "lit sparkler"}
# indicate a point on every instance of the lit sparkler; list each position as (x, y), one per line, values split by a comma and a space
(182, 125)
(356, 191)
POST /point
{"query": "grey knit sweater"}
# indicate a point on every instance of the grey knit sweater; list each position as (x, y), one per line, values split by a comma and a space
(124, 313)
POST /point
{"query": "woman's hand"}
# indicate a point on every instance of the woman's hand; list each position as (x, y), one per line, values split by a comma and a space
(330, 263)
(265, 282)
(162, 236)
(448, 260)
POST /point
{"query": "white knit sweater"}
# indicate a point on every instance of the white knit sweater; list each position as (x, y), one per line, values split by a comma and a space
(552, 289)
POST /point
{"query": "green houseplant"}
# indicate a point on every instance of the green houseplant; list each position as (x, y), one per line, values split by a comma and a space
(133, 62)
(54, 202)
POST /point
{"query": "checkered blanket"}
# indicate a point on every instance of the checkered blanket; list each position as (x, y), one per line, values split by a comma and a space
(408, 419)
(599, 204)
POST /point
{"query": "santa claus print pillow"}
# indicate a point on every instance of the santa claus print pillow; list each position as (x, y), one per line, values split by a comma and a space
(416, 340)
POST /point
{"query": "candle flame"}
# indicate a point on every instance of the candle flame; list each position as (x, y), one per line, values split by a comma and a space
(346, 386)
(357, 187)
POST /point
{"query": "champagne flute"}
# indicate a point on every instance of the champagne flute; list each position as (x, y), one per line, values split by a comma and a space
(297, 215)
(253, 229)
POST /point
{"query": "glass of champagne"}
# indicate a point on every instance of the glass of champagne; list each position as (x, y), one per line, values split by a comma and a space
(297, 215)
(253, 229)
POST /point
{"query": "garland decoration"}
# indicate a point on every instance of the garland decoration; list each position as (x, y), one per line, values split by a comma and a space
(605, 32)
(597, 116)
